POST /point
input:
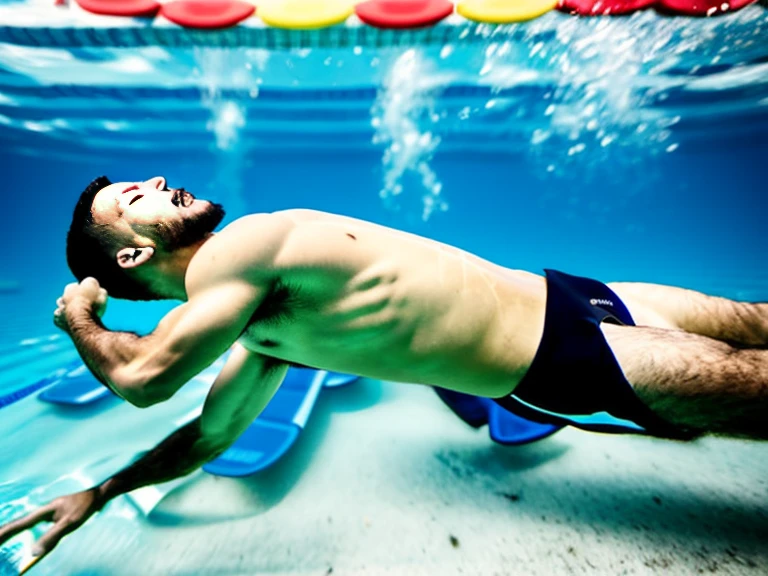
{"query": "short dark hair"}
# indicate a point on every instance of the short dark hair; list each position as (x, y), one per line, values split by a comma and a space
(89, 247)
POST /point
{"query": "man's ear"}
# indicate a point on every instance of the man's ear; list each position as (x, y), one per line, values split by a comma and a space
(132, 257)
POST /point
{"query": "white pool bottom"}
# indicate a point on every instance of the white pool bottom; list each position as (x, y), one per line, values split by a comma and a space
(384, 477)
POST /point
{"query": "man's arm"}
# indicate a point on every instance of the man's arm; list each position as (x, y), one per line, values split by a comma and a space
(150, 369)
(241, 391)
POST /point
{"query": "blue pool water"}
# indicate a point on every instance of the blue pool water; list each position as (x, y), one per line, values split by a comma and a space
(629, 149)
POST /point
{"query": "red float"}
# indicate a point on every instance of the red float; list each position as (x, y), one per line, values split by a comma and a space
(701, 7)
(207, 14)
(403, 13)
(603, 7)
(131, 8)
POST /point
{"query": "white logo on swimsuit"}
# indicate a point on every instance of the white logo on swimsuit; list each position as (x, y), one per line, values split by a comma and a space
(600, 301)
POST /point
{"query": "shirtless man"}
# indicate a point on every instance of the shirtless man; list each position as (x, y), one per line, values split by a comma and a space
(305, 287)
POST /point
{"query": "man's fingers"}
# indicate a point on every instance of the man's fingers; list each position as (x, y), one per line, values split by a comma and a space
(18, 526)
(90, 282)
(50, 539)
(47, 543)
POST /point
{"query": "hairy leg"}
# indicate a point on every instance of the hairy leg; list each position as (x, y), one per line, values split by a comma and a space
(739, 323)
(693, 381)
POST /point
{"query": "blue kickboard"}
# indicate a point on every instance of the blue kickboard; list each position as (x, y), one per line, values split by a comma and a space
(337, 379)
(76, 388)
(262, 444)
(21, 393)
(504, 427)
(273, 433)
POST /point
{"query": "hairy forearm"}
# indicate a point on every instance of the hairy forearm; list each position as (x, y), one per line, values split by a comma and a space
(179, 454)
(102, 350)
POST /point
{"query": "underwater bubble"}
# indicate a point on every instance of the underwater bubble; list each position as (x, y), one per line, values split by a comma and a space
(37, 126)
(539, 136)
(403, 110)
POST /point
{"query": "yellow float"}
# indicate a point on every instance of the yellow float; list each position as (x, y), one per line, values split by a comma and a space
(305, 14)
(504, 11)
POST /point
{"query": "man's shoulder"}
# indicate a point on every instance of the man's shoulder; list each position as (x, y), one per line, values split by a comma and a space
(255, 223)
(260, 242)
(255, 232)
(244, 247)
(270, 223)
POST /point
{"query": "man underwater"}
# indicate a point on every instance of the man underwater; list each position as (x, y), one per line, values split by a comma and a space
(321, 290)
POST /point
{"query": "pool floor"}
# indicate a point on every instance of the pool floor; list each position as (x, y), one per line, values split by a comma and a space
(385, 480)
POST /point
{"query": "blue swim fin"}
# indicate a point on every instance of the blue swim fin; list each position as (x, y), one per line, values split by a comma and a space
(510, 429)
(472, 409)
(504, 427)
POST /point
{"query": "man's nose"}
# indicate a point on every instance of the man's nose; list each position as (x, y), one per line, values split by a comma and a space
(158, 182)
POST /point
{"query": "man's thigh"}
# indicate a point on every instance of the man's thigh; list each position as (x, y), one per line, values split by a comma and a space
(694, 381)
(642, 312)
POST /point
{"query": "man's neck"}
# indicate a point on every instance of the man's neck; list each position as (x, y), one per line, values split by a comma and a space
(173, 270)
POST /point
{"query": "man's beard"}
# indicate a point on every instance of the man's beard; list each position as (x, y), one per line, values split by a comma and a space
(193, 229)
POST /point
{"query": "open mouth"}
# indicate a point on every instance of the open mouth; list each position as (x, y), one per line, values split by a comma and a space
(182, 198)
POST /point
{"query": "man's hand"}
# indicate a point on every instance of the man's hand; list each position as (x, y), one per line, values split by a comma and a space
(242, 389)
(68, 513)
(87, 294)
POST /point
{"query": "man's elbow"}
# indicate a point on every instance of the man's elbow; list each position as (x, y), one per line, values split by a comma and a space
(145, 397)
(141, 394)
(141, 399)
